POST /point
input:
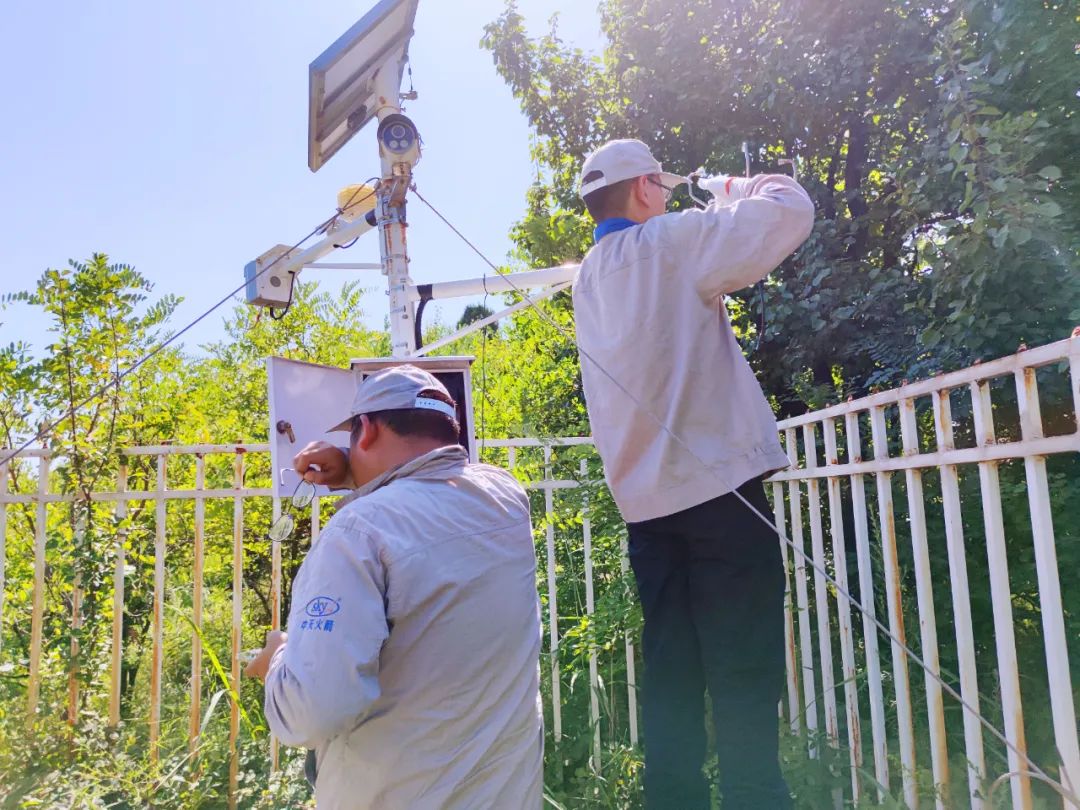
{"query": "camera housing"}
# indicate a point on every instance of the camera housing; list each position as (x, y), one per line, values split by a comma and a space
(399, 140)
(268, 280)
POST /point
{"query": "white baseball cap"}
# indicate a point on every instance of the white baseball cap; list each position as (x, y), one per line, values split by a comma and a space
(621, 160)
(396, 388)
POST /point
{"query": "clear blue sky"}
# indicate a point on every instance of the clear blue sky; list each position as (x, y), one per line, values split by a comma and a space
(172, 136)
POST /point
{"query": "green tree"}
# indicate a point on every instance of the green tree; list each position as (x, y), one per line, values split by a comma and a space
(922, 132)
(102, 323)
(937, 141)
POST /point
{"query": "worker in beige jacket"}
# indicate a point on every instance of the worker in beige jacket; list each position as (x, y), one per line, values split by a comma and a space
(411, 662)
(681, 423)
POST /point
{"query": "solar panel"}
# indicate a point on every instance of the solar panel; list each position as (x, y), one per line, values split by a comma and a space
(355, 77)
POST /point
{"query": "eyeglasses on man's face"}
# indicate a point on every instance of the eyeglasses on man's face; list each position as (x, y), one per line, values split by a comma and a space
(667, 191)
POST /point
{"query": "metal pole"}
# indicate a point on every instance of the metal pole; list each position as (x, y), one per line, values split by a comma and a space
(392, 225)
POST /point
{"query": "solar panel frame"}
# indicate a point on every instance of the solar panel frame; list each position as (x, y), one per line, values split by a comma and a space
(341, 81)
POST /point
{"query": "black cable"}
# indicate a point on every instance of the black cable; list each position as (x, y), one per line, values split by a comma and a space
(346, 247)
(285, 310)
(424, 291)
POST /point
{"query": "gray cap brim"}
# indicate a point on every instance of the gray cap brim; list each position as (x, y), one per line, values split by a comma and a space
(346, 425)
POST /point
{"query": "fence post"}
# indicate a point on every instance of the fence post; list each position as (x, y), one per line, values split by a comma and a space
(120, 564)
(631, 664)
(843, 610)
(869, 612)
(961, 599)
(197, 603)
(553, 604)
(80, 506)
(924, 591)
(1053, 619)
(794, 712)
(1001, 597)
(37, 616)
(3, 538)
(821, 591)
(590, 606)
(237, 624)
(275, 606)
(901, 678)
(159, 608)
(802, 601)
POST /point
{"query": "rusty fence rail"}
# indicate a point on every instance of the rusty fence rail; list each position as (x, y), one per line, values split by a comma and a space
(916, 431)
(42, 465)
(838, 683)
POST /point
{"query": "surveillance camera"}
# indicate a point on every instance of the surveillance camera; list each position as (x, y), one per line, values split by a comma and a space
(398, 139)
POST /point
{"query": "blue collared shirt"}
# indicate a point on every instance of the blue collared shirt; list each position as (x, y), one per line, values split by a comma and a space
(611, 225)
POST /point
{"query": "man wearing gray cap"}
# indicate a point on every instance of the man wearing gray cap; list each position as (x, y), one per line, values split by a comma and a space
(685, 435)
(411, 662)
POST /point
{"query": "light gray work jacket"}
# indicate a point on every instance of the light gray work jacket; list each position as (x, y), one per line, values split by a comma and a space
(676, 413)
(412, 663)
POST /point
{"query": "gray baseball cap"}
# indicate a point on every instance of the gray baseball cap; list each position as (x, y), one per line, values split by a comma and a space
(396, 388)
(621, 160)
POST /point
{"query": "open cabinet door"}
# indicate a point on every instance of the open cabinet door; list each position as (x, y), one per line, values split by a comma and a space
(305, 400)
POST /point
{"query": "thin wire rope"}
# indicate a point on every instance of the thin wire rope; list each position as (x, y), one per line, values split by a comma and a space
(46, 429)
(1005, 777)
(1060, 788)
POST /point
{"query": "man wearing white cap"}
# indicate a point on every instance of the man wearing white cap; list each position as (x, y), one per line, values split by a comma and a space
(411, 663)
(681, 424)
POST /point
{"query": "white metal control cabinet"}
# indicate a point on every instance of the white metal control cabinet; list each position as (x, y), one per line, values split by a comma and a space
(306, 399)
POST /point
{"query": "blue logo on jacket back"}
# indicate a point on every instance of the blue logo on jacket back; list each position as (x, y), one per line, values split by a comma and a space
(322, 606)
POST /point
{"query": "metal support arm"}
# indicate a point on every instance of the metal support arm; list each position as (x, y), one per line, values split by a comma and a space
(503, 283)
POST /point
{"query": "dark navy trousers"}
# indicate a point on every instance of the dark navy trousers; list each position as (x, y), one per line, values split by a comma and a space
(711, 584)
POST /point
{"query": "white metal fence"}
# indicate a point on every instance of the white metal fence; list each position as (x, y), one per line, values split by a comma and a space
(940, 432)
(917, 421)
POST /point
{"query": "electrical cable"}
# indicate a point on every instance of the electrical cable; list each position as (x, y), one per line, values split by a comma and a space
(424, 291)
(276, 316)
(48, 427)
(807, 559)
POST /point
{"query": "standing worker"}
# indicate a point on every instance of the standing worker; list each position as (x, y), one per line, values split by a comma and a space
(411, 664)
(659, 360)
